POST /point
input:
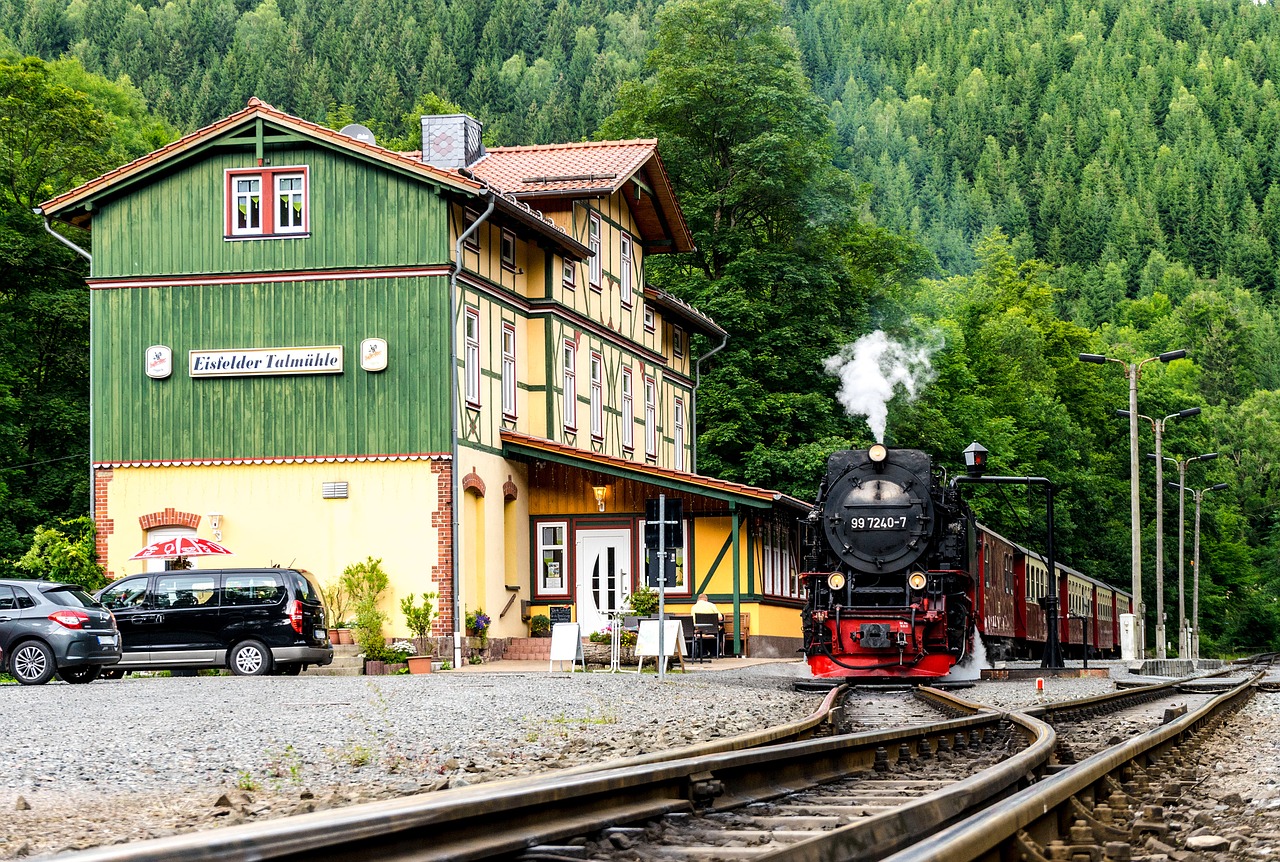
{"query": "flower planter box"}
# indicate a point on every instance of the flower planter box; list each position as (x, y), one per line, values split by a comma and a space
(419, 664)
(382, 668)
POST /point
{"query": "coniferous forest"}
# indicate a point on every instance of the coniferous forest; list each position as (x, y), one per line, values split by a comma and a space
(1004, 184)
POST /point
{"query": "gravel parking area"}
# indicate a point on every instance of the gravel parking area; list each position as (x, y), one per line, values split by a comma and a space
(138, 758)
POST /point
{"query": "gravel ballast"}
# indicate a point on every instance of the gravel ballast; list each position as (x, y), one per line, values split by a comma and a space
(146, 757)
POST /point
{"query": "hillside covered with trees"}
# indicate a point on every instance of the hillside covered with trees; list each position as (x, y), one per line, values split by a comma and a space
(1008, 184)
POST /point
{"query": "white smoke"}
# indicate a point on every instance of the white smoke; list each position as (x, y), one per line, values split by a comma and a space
(872, 369)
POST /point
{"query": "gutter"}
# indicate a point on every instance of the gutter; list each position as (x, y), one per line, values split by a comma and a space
(93, 478)
(697, 381)
(455, 504)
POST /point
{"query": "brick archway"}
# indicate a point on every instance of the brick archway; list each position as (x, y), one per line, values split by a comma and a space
(169, 518)
(473, 484)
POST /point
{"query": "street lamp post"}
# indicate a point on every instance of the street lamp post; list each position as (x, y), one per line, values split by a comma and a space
(1195, 569)
(1184, 648)
(1133, 370)
(1157, 426)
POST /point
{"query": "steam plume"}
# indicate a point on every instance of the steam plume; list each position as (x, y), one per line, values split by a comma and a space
(872, 369)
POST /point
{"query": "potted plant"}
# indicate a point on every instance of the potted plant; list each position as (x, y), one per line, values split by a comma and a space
(336, 604)
(365, 584)
(644, 601)
(478, 625)
(418, 618)
(540, 626)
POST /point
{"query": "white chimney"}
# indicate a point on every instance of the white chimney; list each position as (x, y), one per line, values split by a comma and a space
(451, 141)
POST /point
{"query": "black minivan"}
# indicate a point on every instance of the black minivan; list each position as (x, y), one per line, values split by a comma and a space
(253, 621)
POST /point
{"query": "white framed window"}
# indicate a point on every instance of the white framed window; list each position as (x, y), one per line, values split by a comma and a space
(678, 434)
(628, 411)
(553, 571)
(473, 239)
(597, 396)
(508, 250)
(267, 202)
(677, 341)
(569, 383)
(291, 203)
(649, 323)
(509, 370)
(624, 278)
(650, 418)
(246, 207)
(593, 243)
(471, 355)
(569, 274)
(779, 574)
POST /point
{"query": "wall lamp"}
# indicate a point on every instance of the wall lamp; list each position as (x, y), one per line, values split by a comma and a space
(599, 491)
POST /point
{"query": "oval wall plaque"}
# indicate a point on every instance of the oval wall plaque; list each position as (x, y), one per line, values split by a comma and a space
(373, 354)
(159, 361)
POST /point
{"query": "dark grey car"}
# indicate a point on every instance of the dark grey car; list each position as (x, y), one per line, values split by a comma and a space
(48, 628)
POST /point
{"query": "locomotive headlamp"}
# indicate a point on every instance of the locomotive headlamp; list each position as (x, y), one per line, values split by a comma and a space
(877, 453)
(835, 581)
(917, 580)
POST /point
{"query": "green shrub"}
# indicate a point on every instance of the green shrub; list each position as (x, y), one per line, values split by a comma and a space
(644, 601)
(418, 617)
(366, 583)
(540, 626)
(66, 554)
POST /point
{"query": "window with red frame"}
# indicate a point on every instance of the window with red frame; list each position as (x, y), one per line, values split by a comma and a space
(268, 202)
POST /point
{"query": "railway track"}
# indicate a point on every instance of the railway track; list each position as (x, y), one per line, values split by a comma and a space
(857, 796)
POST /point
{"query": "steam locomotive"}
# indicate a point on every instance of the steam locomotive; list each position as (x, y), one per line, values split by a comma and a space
(888, 552)
(901, 582)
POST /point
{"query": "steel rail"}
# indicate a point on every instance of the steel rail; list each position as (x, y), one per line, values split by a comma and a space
(503, 817)
(1075, 796)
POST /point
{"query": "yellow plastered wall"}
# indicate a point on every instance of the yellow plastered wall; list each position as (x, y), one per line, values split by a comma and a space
(494, 551)
(274, 514)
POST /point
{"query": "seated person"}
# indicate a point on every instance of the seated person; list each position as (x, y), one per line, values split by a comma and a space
(704, 605)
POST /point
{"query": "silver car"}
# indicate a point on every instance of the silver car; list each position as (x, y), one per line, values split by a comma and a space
(48, 628)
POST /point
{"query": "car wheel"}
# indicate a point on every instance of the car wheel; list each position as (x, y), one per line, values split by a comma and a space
(32, 663)
(250, 658)
(83, 674)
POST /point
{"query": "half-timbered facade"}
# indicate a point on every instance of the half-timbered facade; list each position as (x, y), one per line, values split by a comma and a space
(273, 364)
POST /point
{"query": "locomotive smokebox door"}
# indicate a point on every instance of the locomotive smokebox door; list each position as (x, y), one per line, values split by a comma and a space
(878, 517)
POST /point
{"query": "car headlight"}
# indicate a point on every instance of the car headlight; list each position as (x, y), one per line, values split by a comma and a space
(835, 581)
(917, 580)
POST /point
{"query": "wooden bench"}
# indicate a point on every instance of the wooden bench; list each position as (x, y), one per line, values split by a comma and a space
(729, 630)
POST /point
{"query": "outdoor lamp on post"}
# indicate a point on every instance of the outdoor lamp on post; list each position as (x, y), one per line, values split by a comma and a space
(1184, 648)
(1157, 425)
(975, 465)
(1195, 569)
(1132, 371)
(975, 459)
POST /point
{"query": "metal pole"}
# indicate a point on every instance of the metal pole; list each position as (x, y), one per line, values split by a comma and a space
(1184, 648)
(1052, 649)
(1135, 515)
(1195, 580)
(662, 586)
(1158, 425)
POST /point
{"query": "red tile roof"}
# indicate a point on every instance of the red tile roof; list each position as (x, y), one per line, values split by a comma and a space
(600, 166)
(592, 168)
(254, 109)
(649, 471)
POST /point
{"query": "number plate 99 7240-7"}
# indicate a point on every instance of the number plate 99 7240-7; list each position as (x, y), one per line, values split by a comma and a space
(878, 523)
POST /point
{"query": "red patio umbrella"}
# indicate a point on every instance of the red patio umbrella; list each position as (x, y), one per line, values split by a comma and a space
(180, 546)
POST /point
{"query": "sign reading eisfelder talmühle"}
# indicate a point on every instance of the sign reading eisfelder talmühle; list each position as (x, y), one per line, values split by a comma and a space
(265, 360)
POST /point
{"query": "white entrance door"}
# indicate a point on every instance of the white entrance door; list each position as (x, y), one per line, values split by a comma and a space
(604, 575)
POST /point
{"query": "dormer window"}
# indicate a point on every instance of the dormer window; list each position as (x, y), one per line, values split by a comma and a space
(267, 202)
(649, 322)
